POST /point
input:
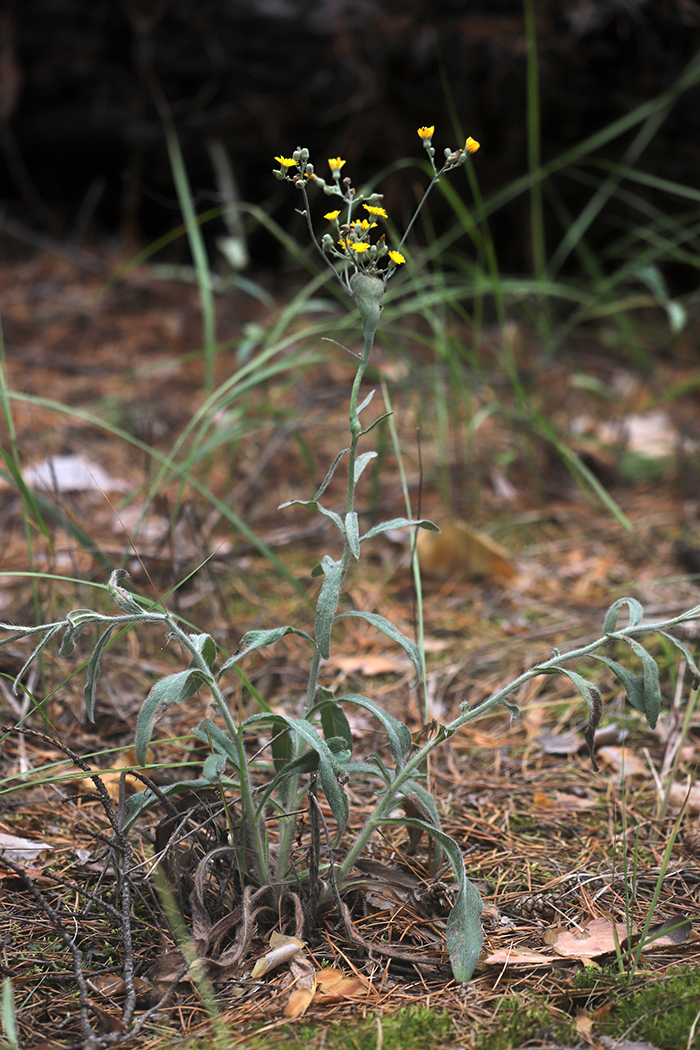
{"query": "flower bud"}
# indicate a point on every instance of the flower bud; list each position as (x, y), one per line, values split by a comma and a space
(367, 293)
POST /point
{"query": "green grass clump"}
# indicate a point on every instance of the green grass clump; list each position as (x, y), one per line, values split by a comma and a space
(411, 1028)
(662, 1012)
(521, 1018)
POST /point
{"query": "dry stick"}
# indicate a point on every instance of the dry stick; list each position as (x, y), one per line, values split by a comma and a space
(55, 920)
(120, 844)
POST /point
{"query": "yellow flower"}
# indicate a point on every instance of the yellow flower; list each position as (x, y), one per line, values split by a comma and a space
(361, 246)
(363, 224)
(471, 145)
(426, 133)
(335, 163)
(375, 211)
(396, 257)
(286, 162)
(342, 243)
(332, 215)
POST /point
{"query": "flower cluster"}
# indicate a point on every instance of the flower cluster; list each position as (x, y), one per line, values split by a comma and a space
(351, 240)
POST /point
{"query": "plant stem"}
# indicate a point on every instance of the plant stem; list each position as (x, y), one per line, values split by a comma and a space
(254, 827)
(414, 763)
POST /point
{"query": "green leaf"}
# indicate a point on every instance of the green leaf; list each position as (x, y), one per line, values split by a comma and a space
(378, 420)
(331, 471)
(93, 672)
(76, 620)
(591, 694)
(692, 666)
(633, 684)
(140, 802)
(399, 523)
(464, 933)
(120, 596)
(352, 531)
(391, 631)
(360, 464)
(652, 689)
(334, 722)
(330, 767)
(33, 655)
(636, 612)
(419, 796)
(366, 401)
(281, 747)
(313, 504)
(175, 689)
(327, 604)
(399, 734)
(257, 639)
(214, 766)
(212, 735)
(205, 644)
(512, 709)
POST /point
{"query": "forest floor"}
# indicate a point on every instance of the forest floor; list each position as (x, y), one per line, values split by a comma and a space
(560, 853)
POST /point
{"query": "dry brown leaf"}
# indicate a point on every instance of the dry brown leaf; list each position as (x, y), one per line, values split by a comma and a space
(621, 758)
(560, 743)
(21, 850)
(677, 796)
(283, 950)
(459, 550)
(563, 800)
(503, 957)
(298, 1002)
(597, 938)
(110, 984)
(371, 664)
(303, 976)
(82, 781)
(584, 1026)
(333, 986)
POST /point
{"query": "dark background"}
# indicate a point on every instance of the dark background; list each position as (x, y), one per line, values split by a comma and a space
(83, 84)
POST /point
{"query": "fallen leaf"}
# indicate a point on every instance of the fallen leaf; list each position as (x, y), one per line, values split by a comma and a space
(21, 850)
(111, 984)
(303, 976)
(333, 986)
(597, 938)
(666, 934)
(371, 664)
(505, 958)
(283, 950)
(298, 1002)
(563, 800)
(83, 782)
(72, 474)
(459, 550)
(621, 758)
(678, 794)
(584, 1026)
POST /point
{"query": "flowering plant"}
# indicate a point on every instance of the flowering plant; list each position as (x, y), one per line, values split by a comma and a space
(304, 867)
(352, 244)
